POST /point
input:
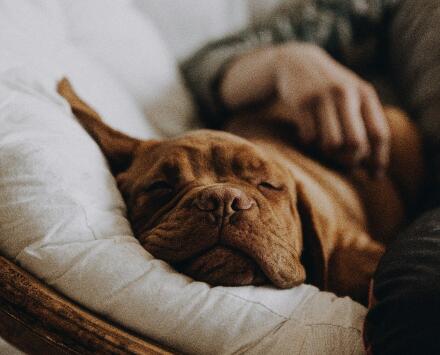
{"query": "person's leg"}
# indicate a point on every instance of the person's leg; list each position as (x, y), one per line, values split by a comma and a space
(404, 317)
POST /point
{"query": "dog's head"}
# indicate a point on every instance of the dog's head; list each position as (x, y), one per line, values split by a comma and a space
(212, 204)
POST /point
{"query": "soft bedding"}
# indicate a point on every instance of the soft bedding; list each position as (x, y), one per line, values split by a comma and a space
(63, 219)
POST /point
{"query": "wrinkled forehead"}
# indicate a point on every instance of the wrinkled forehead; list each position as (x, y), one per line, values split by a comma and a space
(196, 156)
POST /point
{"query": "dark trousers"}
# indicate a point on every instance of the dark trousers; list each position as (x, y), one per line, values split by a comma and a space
(405, 317)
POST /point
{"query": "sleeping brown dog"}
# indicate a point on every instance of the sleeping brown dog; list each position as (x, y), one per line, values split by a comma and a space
(231, 210)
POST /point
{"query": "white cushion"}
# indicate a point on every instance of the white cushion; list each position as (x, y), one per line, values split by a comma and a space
(129, 46)
(101, 54)
(187, 25)
(63, 219)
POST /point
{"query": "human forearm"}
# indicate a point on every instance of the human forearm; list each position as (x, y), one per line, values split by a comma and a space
(254, 76)
(339, 28)
(204, 71)
(249, 78)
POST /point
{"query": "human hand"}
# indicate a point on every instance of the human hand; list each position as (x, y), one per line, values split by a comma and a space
(331, 106)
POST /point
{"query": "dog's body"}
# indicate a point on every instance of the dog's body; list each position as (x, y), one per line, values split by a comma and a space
(247, 208)
(353, 215)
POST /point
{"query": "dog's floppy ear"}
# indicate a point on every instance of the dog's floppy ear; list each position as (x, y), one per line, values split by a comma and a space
(316, 227)
(117, 147)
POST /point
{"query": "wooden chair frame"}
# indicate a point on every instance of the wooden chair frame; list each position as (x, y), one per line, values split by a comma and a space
(38, 320)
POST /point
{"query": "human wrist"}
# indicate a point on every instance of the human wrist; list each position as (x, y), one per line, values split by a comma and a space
(249, 78)
(285, 53)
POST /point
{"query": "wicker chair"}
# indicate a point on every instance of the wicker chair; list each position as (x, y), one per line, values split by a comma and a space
(38, 320)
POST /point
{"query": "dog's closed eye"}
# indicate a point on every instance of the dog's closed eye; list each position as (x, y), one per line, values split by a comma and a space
(266, 185)
(160, 191)
(160, 185)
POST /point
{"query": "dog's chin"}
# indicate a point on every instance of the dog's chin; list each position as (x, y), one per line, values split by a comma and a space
(246, 252)
(223, 266)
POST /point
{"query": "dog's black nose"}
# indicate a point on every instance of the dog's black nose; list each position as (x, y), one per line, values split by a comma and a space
(222, 199)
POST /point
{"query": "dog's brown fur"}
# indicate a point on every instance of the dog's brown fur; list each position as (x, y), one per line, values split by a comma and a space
(247, 208)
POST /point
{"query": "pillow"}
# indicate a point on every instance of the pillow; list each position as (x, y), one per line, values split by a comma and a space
(63, 219)
(101, 54)
(26, 22)
(128, 45)
(187, 25)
